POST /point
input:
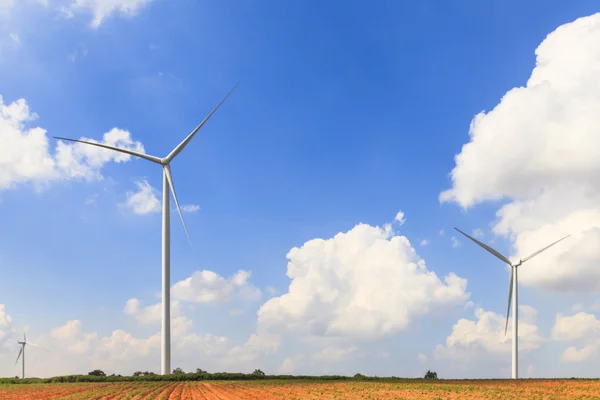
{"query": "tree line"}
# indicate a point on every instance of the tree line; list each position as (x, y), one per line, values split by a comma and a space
(199, 375)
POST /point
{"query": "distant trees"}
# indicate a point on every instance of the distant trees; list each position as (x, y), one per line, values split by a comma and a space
(431, 375)
(258, 372)
(178, 371)
(200, 371)
(97, 372)
(145, 373)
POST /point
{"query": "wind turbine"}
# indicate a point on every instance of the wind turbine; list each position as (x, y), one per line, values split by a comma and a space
(22, 352)
(512, 295)
(166, 228)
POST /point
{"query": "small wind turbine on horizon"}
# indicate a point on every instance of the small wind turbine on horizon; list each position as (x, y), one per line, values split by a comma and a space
(166, 228)
(512, 295)
(22, 352)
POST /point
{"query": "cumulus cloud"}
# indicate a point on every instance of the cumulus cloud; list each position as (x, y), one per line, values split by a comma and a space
(484, 337)
(25, 155)
(574, 327)
(362, 283)
(145, 200)
(454, 241)
(67, 331)
(208, 286)
(572, 354)
(190, 208)
(424, 242)
(286, 367)
(75, 350)
(400, 218)
(539, 150)
(5, 324)
(581, 327)
(103, 9)
(6, 3)
(334, 354)
(259, 343)
(15, 37)
(149, 314)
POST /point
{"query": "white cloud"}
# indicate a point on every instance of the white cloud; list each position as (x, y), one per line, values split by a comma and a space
(6, 4)
(335, 354)
(358, 284)
(5, 324)
(441, 233)
(478, 233)
(73, 350)
(103, 9)
(207, 287)
(190, 208)
(91, 199)
(577, 307)
(80, 52)
(67, 331)
(571, 354)
(15, 37)
(574, 327)
(144, 201)
(400, 218)
(422, 357)
(454, 241)
(424, 242)
(25, 155)
(485, 337)
(286, 367)
(84, 161)
(258, 344)
(150, 314)
(538, 149)
(469, 304)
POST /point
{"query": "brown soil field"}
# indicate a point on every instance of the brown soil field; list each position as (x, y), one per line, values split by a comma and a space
(250, 390)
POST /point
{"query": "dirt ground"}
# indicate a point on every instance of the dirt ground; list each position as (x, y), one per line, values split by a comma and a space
(249, 390)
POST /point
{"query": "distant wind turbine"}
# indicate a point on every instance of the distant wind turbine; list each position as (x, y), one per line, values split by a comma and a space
(166, 228)
(512, 295)
(22, 352)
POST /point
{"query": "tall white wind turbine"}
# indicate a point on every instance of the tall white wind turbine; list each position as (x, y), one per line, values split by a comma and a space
(22, 352)
(166, 229)
(512, 295)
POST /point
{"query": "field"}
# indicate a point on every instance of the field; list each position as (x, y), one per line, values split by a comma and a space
(247, 390)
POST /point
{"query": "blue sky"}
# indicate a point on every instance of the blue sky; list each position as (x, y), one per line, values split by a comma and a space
(345, 114)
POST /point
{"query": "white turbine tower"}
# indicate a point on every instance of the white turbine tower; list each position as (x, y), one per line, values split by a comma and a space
(22, 352)
(512, 295)
(166, 229)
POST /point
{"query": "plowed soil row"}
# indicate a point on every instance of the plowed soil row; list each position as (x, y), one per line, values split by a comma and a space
(251, 390)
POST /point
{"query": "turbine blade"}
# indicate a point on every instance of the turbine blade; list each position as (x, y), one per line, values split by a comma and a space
(119, 149)
(35, 345)
(510, 290)
(488, 248)
(185, 141)
(170, 180)
(19, 356)
(545, 248)
(24, 338)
